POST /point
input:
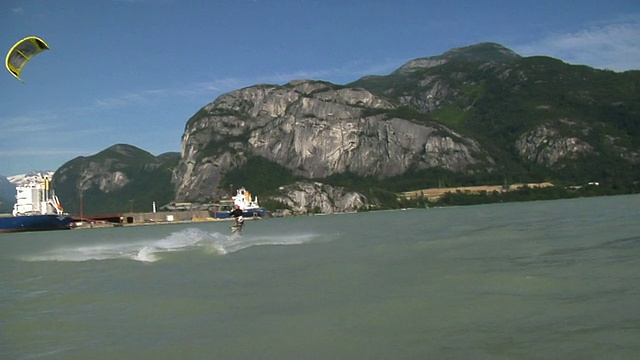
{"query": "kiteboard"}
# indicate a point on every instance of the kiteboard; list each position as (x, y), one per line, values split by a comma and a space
(236, 229)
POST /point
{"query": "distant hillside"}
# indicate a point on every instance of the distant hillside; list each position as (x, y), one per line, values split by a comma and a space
(118, 179)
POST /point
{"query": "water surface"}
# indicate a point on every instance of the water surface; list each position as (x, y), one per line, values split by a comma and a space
(535, 280)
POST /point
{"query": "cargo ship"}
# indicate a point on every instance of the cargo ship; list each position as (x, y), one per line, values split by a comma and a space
(36, 208)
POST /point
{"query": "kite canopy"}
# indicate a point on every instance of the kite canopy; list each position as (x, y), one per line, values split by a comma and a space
(22, 52)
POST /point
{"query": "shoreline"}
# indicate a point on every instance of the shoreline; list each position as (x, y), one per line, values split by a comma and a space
(102, 225)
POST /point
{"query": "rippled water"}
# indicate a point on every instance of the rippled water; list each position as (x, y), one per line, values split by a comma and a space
(537, 280)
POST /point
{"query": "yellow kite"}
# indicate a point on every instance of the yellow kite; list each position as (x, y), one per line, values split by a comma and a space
(22, 52)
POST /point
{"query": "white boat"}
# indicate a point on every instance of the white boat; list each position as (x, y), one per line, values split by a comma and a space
(242, 199)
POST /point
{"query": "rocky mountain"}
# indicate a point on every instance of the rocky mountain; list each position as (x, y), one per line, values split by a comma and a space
(118, 179)
(527, 111)
(480, 110)
(473, 115)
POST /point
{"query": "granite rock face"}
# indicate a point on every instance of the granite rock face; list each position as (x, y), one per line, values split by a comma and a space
(314, 129)
(546, 145)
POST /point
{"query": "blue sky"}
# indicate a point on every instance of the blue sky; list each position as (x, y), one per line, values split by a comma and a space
(134, 71)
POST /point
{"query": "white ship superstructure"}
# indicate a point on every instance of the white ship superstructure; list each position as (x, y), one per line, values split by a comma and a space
(36, 198)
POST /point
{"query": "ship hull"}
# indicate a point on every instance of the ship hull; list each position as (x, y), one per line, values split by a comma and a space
(34, 223)
(246, 213)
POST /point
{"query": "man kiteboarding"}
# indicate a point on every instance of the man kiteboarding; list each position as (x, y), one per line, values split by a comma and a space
(239, 220)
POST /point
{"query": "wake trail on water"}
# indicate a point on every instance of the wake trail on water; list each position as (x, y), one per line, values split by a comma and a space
(181, 241)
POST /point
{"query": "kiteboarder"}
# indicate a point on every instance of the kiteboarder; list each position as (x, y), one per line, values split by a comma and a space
(239, 220)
